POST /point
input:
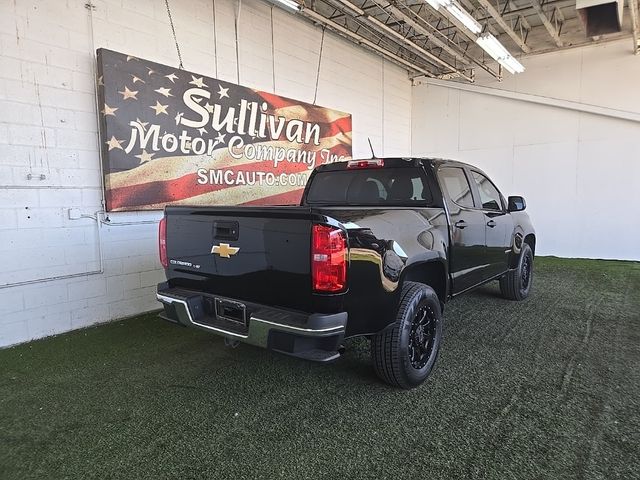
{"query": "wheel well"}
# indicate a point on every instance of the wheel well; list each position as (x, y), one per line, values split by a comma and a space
(531, 241)
(429, 273)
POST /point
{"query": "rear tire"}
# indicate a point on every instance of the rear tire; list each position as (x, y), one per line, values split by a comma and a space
(405, 353)
(516, 284)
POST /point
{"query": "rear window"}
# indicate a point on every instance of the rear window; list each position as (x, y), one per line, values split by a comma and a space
(369, 186)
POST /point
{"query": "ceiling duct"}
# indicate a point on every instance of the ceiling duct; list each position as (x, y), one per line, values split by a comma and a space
(600, 17)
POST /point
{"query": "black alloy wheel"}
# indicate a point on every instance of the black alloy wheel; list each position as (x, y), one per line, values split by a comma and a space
(422, 337)
(516, 283)
(405, 353)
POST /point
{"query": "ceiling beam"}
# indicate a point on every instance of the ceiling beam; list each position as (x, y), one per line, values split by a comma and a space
(463, 31)
(397, 13)
(384, 29)
(524, 11)
(504, 25)
(360, 40)
(414, 46)
(551, 28)
(527, 10)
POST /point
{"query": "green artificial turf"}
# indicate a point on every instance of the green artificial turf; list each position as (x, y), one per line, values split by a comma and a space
(546, 388)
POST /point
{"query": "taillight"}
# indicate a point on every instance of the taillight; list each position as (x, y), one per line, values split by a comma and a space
(372, 163)
(328, 259)
(162, 242)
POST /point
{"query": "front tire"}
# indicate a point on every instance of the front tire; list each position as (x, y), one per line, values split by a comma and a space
(405, 353)
(516, 284)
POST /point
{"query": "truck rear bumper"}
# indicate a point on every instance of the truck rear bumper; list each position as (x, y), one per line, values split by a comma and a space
(310, 336)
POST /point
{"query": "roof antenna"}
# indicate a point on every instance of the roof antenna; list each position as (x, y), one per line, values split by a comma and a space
(373, 154)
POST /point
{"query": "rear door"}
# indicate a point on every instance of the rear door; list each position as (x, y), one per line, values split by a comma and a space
(259, 255)
(468, 264)
(498, 223)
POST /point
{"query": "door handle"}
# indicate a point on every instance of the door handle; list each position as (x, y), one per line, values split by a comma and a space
(460, 224)
(491, 223)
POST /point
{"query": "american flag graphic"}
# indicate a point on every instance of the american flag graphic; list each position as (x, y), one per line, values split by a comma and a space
(170, 136)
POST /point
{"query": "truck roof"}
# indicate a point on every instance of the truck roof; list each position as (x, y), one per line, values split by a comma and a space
(395, 162)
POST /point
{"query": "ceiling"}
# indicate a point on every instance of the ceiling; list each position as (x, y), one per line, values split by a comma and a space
(429, 42)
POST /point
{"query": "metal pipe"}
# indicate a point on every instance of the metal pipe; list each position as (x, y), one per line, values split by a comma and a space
(120, 224)
(613, 37)
(540, 100)
(107, 221)
(100, 271)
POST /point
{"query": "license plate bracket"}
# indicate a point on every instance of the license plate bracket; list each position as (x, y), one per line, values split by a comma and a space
(231, 311)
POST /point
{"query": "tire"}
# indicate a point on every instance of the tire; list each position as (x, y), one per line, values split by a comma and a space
(405, 353)
(516, 284)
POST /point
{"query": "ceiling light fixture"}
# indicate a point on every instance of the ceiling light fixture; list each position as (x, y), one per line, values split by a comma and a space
(464, 17)
(290, 5)
(436, 4)
(456, 10)
(496, 50)
(512, 65)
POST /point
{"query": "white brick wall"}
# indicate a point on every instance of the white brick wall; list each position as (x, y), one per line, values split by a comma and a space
(48, 126)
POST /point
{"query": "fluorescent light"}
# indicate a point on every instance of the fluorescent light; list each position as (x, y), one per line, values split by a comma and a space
(492, 46)
(496, 50)
(512, 65)
(464, 17)
(290, 5)
(436, 4)
(457, 11)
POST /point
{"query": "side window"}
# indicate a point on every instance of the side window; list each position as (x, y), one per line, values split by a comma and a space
(457, 185)
(489, 195)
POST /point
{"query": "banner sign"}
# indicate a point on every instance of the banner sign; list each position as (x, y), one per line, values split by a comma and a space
(172, 136)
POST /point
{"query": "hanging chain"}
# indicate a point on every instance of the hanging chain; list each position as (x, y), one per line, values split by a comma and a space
(173, 30)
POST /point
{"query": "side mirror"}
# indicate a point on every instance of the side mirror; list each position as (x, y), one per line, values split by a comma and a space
(517, 204)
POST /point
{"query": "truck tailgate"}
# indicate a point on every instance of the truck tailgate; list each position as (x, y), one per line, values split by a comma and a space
(254, 254)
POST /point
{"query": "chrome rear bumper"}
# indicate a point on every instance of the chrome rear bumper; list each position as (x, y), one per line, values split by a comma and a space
(312, 336)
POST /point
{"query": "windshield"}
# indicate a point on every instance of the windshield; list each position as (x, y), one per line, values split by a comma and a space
(369, 186)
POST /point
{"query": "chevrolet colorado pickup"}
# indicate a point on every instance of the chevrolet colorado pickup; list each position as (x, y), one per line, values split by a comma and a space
(375, 248)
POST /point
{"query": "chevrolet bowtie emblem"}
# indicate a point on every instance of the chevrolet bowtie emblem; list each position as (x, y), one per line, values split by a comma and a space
(224, 250)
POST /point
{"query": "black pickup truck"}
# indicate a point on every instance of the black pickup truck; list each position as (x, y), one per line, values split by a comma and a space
(376, 248)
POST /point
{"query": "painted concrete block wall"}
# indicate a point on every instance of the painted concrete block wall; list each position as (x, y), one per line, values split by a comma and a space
(578, 171)
(48, 128)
